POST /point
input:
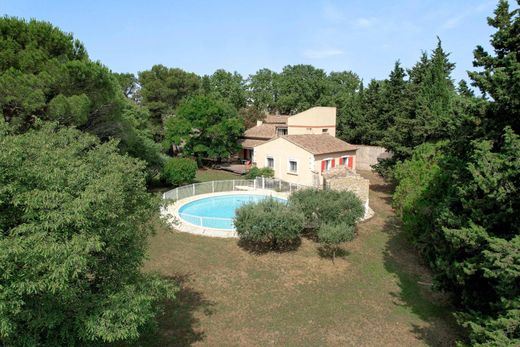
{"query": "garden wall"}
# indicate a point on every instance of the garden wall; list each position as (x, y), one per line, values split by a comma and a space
(366, 156)
(340, 178)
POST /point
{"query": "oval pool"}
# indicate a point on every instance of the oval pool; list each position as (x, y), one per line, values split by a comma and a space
(217, 211)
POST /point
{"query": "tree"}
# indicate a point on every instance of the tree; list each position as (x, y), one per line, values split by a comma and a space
(163, 89)
(46, 74)
(300, 87)
(129, 84)
(74, 221)
(331, 235)
(205, 127)
(228, 86)
(500, 77)
(263, 90)
(268, 222)
(178, 171)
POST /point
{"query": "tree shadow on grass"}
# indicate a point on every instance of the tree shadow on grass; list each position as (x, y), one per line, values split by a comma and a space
(259, 248)
(177, 325)
(416, 292)
(327, 252)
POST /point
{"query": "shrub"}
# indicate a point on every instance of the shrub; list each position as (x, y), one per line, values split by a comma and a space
(179, 171)
(269, 222)
(331, 235)
(257, 172)
(327, 206)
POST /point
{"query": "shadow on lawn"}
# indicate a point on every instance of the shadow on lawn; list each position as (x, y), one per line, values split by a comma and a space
(263, 248)
(416, 292)
(177, 325)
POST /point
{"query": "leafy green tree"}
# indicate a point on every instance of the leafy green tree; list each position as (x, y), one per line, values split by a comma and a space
(268, 222)
(179, 171)
(163, 89)
(300, 87)
(463, 214)
(46, 74)
(327, 206)
(263, 90)
(205, 127)
(229, 86)
(74, 221)
(251, 115)
(331, 235)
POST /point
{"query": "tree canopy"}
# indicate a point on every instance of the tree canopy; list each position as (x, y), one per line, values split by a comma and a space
(74, 219)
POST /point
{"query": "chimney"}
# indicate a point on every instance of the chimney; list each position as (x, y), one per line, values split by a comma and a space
(259, 122)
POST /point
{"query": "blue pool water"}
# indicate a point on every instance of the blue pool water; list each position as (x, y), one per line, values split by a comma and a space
(217, 211)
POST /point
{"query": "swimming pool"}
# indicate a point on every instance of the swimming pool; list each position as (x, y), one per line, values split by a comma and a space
(217, 211)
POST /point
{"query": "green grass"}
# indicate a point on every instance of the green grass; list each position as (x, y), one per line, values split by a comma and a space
(377, 294)
(205, 175)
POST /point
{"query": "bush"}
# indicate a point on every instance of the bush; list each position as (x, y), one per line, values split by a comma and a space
(178, 171)
(331, 235)
(327, 206)
(269, 222)
(257, 172)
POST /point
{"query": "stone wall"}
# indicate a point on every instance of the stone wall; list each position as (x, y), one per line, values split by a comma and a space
(366, 156)
(340, 178)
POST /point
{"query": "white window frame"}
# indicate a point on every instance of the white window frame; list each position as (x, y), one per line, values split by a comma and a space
(267, 161)
(328, 164)
(344, 159)
(289, 166)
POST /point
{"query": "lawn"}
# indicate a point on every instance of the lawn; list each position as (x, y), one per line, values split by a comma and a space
(377, 294)
(205, 175)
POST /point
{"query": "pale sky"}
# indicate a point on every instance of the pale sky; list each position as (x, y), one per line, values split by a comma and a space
(202, 36)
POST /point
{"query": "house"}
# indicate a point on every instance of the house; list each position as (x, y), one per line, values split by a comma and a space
(316, 120)
(304, 158)
(299, 148)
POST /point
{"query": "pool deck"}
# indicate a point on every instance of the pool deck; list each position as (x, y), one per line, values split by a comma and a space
(171, 213)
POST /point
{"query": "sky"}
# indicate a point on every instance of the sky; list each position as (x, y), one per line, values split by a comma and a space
(365, 37)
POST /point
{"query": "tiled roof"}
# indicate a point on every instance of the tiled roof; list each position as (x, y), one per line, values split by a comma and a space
(319, 143)
(275, 119)
(262, 131)
(250, 143)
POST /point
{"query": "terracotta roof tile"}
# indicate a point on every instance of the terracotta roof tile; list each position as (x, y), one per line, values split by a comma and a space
(275, 119)
(263, 131)
(320, 143)
(250, 143)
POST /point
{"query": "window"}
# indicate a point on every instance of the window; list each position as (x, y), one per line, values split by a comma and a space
(327, 164)
(293, 166)
(270, 162)
(324, 130)
(281, 131)
(347, 160)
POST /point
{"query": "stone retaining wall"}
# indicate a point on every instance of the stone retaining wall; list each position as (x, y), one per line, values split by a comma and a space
(340, 178)
(366, 156)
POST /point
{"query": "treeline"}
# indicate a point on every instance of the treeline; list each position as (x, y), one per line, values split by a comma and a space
(457, 168)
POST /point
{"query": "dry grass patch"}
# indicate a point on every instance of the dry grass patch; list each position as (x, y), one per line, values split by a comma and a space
(373, 296)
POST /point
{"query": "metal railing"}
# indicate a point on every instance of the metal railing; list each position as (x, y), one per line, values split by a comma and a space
(259, 183)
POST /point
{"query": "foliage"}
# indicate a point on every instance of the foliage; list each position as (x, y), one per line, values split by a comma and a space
(259, 172)
(333, 234)
(269, 221)
(74, 221)
(163, 89)
(205, 127)
(251, 115)
(327, 206)
(463, 212)
(179, 171)
(46, 74)
(228, 86)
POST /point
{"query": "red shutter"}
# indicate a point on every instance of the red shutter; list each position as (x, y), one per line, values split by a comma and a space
(350, 162)
(340, 161)
(322, 165)
(333, 163)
